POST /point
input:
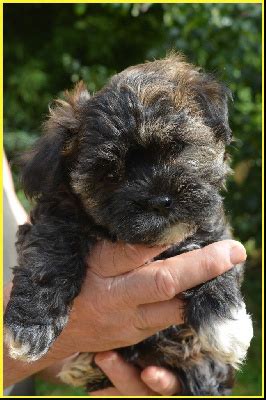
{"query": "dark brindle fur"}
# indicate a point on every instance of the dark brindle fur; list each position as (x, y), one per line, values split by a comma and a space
(142, 161)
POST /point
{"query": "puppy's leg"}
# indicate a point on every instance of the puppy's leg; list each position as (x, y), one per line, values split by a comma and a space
(217, 312)
(50, 273)
(207, 378)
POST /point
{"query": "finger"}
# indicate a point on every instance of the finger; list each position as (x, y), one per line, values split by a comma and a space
(111, 391)
(160, 315)
(163, 279)
(111, 259)
(124, 376)
(161, 380)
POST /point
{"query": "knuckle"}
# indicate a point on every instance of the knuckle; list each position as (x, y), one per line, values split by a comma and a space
(165, 284)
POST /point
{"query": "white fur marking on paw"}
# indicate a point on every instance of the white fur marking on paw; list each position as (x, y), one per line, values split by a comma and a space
(32, 342)
(25, 351)
(16, 349)
(229, 340)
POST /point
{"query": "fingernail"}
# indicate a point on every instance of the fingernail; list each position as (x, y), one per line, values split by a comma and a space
(152, 378)
(238, 254)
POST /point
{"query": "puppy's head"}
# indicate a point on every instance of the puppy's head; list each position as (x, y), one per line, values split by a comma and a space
(146, 154)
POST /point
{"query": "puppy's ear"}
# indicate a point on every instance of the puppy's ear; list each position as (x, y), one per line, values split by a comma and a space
(213, 97)
(45, 167)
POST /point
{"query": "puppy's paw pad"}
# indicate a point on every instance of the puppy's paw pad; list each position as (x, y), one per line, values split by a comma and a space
(229, 339)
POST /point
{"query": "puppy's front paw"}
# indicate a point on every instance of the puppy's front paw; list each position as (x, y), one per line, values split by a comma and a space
(30, 343)
(228, 339)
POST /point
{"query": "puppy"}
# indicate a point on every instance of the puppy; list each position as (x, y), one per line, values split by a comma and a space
(142, 161)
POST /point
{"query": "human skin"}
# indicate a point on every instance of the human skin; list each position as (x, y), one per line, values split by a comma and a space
(126, 298)
(126, 380)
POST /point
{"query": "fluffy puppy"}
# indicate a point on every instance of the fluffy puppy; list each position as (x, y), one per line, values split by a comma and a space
(143, 161)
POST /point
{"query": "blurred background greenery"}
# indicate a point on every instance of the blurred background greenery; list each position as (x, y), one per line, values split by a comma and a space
(49, 47)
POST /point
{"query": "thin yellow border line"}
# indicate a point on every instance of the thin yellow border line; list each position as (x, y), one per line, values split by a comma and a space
(133, 1)
(262, 201)
(138, 397)
(1, 198)
(1, 160)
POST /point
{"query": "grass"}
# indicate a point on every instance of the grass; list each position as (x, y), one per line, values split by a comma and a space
(48, 389)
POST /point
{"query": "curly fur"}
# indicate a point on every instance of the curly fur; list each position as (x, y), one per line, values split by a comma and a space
(143, 161)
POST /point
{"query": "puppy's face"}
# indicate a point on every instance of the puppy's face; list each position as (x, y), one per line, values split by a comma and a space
(151, 152)
(146, 154)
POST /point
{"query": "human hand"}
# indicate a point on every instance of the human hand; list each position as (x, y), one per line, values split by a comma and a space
(128, 380)
(125, 298)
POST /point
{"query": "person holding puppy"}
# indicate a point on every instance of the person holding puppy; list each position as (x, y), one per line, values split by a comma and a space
(131, 303)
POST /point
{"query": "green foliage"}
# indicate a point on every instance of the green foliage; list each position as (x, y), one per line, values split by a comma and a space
(49, 47)
(44, 388)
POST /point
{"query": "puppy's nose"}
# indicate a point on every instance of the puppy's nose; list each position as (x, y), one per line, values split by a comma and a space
(161, 204)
